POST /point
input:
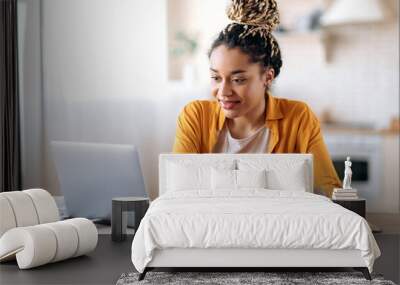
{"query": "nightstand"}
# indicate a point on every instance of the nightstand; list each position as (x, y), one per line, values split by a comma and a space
(355, 205)
(120, 207)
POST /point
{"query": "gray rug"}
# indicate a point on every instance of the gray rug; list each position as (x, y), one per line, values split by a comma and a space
(230, 278)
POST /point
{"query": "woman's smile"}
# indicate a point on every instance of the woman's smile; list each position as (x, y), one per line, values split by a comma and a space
(229, 104)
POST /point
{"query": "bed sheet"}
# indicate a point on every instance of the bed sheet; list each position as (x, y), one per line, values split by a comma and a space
(250, 218)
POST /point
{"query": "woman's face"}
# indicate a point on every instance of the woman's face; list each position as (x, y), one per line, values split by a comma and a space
(237, 83)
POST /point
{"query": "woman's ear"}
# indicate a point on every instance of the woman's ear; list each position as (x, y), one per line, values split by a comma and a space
(268, 76)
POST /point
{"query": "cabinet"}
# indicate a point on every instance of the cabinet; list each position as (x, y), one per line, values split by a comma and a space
(357, 206)
(390, 173)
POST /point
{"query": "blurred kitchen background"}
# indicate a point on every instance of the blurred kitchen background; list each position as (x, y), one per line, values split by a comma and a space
(120, 71)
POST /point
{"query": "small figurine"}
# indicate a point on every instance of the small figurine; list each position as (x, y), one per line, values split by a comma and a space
(347, 174)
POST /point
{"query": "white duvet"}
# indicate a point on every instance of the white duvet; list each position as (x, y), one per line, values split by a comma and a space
(251, 218)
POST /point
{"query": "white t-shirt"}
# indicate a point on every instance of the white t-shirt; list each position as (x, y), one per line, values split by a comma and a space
(256, 143)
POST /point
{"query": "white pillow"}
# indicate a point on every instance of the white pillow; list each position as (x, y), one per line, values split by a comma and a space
(281, 174)
(251, 178)
(184, 177)
(188, 173)
(293, 179)
(223, 179)
(237, 179)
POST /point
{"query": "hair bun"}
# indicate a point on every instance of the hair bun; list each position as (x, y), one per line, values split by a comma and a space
(260, 13)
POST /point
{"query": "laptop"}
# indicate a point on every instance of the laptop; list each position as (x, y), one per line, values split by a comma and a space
(91, 174)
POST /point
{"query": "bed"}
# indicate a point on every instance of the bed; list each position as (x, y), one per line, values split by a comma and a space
(247, 210)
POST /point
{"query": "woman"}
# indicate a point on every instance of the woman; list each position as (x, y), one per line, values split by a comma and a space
(245, 118)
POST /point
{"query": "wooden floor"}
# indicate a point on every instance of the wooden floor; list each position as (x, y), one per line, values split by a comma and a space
(388, 223)
(111, 259)
(103, 266)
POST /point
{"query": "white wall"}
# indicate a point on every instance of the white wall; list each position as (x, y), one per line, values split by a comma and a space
(104, 67)
(204, 18)
(30, 85)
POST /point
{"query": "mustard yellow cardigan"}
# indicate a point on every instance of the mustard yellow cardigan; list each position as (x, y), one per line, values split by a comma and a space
(293, 129)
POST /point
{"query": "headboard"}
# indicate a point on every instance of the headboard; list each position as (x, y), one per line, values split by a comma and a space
(235, 159)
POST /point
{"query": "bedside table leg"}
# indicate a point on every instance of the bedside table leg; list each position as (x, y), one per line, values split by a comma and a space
(117, 222)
